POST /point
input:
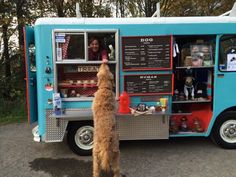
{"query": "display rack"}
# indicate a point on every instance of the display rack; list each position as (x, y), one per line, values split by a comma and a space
(195, 60)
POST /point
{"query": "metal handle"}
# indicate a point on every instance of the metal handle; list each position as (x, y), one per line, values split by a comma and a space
(220, 75)
(163, 119)
(32, 81)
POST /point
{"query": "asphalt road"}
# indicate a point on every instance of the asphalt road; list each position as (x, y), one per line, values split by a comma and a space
(185, 157)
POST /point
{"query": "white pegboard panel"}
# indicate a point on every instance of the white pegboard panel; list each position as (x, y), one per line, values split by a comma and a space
(55, 128)
(143, 127)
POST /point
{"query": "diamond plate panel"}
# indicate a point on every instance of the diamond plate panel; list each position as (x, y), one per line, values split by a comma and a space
(143, 127)
(55, 128)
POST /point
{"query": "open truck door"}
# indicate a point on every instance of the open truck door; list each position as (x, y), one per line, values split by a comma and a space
(30, 66)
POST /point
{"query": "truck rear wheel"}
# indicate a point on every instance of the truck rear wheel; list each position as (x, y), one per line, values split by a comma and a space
(80, 138)
(224, 130)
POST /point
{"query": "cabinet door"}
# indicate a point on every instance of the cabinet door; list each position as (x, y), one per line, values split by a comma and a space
(225, 73)
(30, 65)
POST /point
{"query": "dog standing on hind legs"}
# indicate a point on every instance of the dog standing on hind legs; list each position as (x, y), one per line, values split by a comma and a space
(106, 154)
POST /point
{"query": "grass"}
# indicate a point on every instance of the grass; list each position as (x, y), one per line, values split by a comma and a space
(12, 111)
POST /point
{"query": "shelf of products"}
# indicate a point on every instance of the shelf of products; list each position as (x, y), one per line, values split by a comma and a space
(194, 67)
(61, 85)
(192, 98)
(191, 101)
(188, 123)
(78, 81)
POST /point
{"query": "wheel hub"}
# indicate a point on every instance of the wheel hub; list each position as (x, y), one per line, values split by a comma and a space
(84, 137)
(228, 131)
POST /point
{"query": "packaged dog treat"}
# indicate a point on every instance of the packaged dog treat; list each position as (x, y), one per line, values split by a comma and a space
(185, 54)
(57, 106)
(197, 60)
(201, 55)
(188, 61)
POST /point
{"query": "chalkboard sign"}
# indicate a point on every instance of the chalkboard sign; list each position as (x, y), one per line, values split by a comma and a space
(151, 84)
(147, 53)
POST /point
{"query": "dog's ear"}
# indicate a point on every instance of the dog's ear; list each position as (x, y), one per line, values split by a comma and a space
(105, 77)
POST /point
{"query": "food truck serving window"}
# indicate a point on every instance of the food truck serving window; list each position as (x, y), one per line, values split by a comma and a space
(86, 45)
(78, 55)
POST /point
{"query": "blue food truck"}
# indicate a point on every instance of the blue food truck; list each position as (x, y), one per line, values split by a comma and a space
(179, 73)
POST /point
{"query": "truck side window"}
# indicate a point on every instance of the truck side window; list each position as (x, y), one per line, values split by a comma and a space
(69, 46)
(227, 53)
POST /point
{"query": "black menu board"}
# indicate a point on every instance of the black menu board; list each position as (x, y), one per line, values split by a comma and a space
(148, 84)
(147, 53)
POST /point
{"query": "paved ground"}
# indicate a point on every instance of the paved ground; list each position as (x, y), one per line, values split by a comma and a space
(195, 157)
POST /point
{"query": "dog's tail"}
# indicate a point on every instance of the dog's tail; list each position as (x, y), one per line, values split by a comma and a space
(105, 160)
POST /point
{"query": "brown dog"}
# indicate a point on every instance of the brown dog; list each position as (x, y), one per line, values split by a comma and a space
(106, 154)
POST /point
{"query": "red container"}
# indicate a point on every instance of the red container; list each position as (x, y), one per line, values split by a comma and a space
(124, 103)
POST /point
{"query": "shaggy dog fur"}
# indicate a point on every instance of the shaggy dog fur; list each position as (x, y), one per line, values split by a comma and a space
(106, 154)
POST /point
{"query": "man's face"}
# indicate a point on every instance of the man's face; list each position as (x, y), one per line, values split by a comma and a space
(94, 45)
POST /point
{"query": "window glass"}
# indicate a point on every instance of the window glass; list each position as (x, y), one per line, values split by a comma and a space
(101, 46)
(69, 46)
(227, 54)
(32, 58)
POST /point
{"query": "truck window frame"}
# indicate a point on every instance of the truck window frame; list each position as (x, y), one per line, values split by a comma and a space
(222, 62)
(85, 60)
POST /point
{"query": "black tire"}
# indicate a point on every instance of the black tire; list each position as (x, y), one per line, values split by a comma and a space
(224, 130)
(83, 145)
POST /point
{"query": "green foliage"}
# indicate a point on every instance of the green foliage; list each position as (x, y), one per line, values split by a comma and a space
(146, 8)
(12, 110)
(195, 7)
(13, 87)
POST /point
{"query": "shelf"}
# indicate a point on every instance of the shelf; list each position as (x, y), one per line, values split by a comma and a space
(81, 98)
(152, 114)
(191, 101)
(87, 114)
(77, 85)
(184, 134)
(181, 113)
(75, 115)
(194, 67)
(82, 62)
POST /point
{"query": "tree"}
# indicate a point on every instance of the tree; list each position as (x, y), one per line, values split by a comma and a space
(103, 9)
(197, 7)
(6, 22)
(21, 11)
(6, 19)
